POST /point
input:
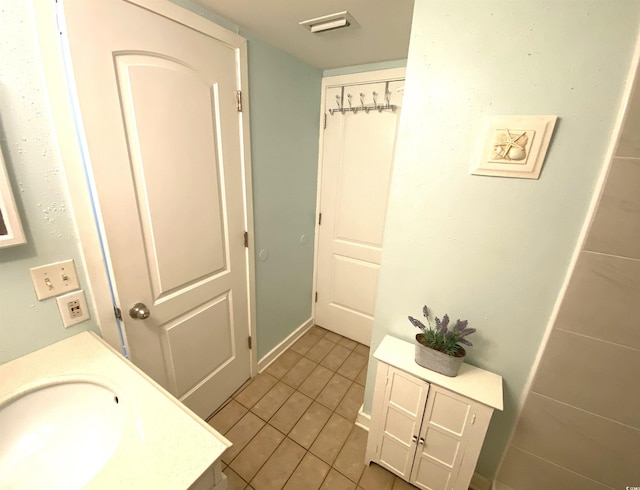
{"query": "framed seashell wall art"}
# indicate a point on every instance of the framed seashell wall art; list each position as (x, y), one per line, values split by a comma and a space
(515, 146)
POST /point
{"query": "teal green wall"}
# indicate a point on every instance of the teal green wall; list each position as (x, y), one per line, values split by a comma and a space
(284, 102)
(37, 177)
(494, 250)
(284, 94)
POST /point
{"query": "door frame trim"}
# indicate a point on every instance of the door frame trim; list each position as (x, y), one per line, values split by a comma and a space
(333, 81)
(80, 189)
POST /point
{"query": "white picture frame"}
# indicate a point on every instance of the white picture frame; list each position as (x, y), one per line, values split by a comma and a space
(515, 146)
(11, 232)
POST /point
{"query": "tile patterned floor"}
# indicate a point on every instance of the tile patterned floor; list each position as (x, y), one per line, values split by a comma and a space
(292, 426)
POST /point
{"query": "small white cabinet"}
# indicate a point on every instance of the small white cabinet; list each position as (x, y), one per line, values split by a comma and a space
(425, 427)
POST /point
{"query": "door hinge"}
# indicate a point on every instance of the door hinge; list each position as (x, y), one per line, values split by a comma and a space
(117, 312)
(239, 100)
(316, 296)
(319, 219)
(246, 239)
(324, 124)
(249, 341)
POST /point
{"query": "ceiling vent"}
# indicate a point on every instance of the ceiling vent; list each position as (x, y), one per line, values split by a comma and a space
(329, 22)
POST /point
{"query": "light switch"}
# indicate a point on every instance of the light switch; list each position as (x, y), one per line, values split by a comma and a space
(54, 279)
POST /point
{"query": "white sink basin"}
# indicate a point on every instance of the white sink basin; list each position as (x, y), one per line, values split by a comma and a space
(58, 436)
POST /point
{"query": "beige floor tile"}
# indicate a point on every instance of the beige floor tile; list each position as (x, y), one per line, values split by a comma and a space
(240, 434)
(363, 350)
(304, 343)
(283, 363)
(270, 403)
(320, 350)
(333, 337)
(331, 438)
(256, 453)
(361, 379)
(303, 438)
(336, 481)
(310, 425)
(309, 474)
(319, 330)
(298, 373)
(279, 467)
(227, 416)
(376, 478)
(400, 484)
(258, 387)
(332, 394)
(348, 343)
(351, 403)
(290, 412)
(350, 460)
(234, 482)
(316, 381)
(335, 358)
(352, 366)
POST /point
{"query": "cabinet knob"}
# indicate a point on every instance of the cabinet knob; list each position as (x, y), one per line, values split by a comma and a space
(414, 439)
(421, 440)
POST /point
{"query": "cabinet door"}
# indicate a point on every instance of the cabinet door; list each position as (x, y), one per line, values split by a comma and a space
(444, 434)
(404, 403)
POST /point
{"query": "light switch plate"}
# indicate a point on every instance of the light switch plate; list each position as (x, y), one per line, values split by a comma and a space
(54, 279)
(73, 308)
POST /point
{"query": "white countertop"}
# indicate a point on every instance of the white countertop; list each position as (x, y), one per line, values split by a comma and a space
(475, 383)
(164, 445)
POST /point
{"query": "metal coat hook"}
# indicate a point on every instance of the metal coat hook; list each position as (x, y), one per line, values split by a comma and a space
(339, 109)
(365, 109)
(375, 101)
(349, 102)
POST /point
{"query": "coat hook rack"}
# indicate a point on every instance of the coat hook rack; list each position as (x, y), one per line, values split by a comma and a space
(387, 106)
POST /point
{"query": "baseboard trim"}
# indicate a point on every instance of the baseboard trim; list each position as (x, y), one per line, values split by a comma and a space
(363, 420)
(479, 482)
(500, 486)
(273, 354)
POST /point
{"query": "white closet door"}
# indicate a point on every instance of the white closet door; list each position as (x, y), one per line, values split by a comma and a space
(356, 171)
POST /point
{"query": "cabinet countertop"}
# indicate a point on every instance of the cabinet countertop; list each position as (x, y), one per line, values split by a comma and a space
(475, 383)
(164, 444)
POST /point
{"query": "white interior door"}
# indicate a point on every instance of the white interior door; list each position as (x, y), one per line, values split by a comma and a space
(158, 103)
(357, 159)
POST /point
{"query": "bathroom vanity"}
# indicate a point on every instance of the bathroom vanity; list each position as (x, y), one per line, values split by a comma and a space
(76, 414)
(425, 427)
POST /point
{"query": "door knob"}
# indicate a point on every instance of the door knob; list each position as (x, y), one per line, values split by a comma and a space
(139, 311)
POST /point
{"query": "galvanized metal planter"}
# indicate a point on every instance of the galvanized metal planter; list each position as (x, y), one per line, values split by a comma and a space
(438, 361)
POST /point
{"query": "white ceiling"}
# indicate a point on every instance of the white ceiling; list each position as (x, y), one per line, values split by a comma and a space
(381, 33)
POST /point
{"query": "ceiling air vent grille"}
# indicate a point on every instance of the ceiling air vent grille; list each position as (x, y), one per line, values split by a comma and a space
(329, 22)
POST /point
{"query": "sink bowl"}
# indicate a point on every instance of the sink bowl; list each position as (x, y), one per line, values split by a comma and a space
(58, 436)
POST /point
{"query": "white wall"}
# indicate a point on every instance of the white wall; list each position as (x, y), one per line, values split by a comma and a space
(494, 250)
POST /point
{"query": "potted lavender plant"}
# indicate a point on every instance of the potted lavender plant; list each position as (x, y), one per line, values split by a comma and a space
(438, 348)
